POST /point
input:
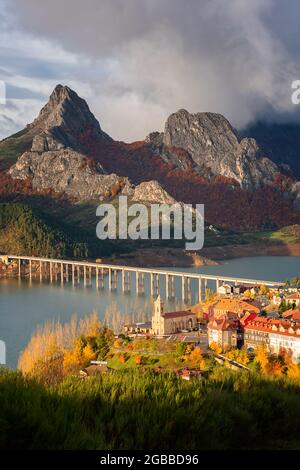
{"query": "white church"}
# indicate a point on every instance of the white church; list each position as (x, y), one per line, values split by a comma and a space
(167, 323)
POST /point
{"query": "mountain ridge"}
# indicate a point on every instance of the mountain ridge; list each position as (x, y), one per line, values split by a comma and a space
(199, 158)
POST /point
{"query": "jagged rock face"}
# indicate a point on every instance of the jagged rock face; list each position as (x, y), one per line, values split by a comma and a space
(67, 172)
(152, 192)
(67, 145)
(62, 120)
(57, 160)
(212, 143)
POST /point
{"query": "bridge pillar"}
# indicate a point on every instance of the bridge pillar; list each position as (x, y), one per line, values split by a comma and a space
(61, 273)
(200, 290)
(128, 280)
(143, 282)
(41, 271)
(157, 284)
(189, 290)
(84, 275)
(109, 278)
(30, 269)
(167, 286)
(151, 284)
(51, 271)
(183, 288)
(173, 287)
(205, 288)
(123, 280)
(137, 282)
(114, 279)
(97, 278)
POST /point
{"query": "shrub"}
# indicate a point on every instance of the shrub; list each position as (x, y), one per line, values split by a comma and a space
(123, 358)
(138, 360)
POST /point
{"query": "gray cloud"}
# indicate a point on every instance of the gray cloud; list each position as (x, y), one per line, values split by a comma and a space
(139, 60)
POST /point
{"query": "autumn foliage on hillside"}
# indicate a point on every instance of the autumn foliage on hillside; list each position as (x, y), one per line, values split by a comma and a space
(226, 204)
(57, 350)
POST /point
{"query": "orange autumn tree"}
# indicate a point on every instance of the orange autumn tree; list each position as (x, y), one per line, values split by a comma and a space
(138, 360)
(215, 347)
(79, 357)
(67, 347)
(262, 358)
(197, 359)
(293, 371)
(195, 355)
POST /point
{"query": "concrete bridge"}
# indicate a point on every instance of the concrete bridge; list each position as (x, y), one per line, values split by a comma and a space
(70, 270)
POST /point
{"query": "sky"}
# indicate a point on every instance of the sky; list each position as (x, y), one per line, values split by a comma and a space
(137, 61)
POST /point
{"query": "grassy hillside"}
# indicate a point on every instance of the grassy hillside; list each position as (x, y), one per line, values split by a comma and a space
(12, 147)
(24, 230)
(144, 410)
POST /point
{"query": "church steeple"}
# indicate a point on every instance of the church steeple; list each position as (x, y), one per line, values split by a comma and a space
(158, 307)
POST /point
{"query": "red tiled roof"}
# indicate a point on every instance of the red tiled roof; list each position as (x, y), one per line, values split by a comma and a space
(235, 305)
(294, 296)
(223, 323)
(267, 324)
(248, 317)
(292, 314)
(183, 313)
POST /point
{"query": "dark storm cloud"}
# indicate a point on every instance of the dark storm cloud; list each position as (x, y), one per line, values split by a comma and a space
(146, 58)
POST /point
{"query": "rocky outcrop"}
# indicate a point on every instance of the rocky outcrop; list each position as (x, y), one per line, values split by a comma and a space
(67, 172)
(58, 159)
(152, 192)
(215, 147)
(63, 120)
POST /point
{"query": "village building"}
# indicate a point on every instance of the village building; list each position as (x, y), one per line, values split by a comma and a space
(227, 330)
(232, 289)
(188, 374)
(279, 336)
(225, 289)
(277, 298)
(293, 299)
(94, 370)
(235, 306)
(167, 323)
(138, 328)
(292, 314)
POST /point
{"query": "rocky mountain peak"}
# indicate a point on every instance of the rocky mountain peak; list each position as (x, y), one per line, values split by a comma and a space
(199, 132)
(64, 122)
(215, 146)
(66, 109)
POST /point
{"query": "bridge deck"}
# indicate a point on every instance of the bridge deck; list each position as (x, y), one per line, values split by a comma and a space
(198, 276)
